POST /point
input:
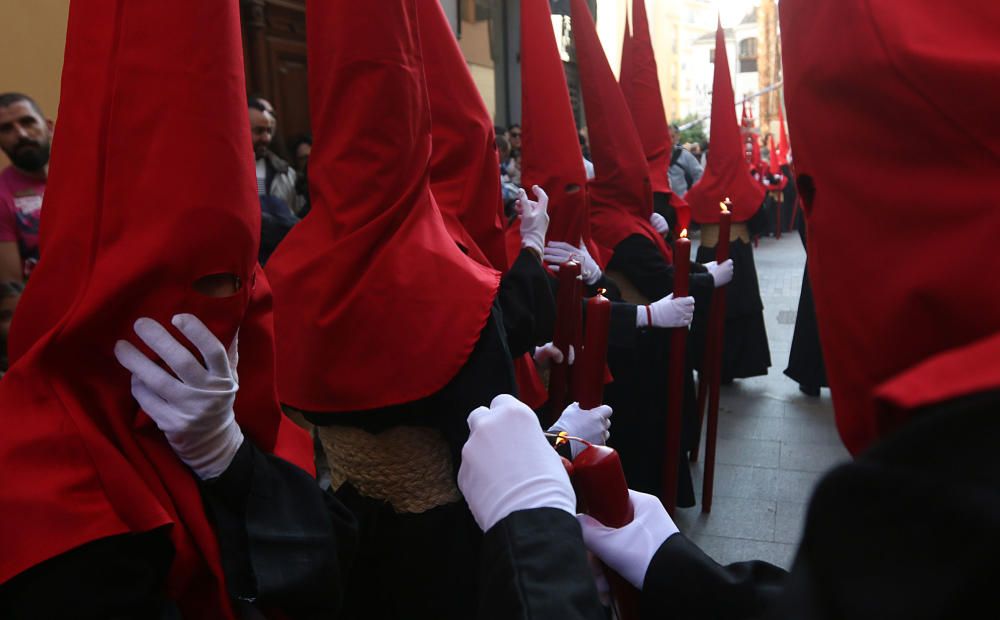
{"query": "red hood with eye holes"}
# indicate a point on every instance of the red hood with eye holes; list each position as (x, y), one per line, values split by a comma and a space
(913, 78)
(151, 187)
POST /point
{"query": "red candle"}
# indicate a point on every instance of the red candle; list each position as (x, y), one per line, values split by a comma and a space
(675, 381)
(590, 391)
(600, 484)
(725, 222)
(568, 301)
(601, 489)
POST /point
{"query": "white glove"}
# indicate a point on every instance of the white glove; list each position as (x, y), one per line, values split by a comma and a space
(667, 312)
(659, 223)
(534, 219)
(559, 252)
(591, 424)
(508, 464)
(194, 409)
(628, 550)
(548, 354)
(722, 274)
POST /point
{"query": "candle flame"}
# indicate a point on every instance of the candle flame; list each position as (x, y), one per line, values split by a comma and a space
(684, 234)
(725, 205)
(563, 439)
(602, 291)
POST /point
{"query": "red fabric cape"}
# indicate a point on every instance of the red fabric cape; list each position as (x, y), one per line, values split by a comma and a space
(375, 304)
(117, 247)
(621, 195)
(915, 81)
(465, 167)
(726, 173)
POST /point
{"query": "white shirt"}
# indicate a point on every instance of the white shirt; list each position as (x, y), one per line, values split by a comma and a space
(261, 177)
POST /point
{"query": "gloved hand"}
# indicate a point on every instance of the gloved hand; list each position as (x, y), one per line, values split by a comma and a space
(508, 464)
(534, 219)
(722, 274)
(194, 409)
(667, 312)
(659, 223)
(628, 550)
(591, 424)
(558, 252)
(549, 354)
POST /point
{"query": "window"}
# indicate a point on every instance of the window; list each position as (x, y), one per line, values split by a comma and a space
(748, 56)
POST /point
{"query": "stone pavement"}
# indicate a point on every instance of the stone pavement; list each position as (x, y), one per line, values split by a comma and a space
(774, 443)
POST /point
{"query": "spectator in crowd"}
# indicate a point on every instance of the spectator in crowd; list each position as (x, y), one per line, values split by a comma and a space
(514, 135)
(275, 177)
(301, 149)
(508, 188)
(25, 137)
(10, 293)
(588, 165)
(685, 170)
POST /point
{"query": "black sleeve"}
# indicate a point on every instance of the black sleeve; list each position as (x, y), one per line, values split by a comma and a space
(285, 543)
(908, 530)
(527, 304)
(534, 565)
(118, 577)
(683, 582)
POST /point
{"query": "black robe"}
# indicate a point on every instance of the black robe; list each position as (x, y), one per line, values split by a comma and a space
(640, 363)
(745, 349)
(911, 529)
(805, 360)
(424, 565)
(285, 545)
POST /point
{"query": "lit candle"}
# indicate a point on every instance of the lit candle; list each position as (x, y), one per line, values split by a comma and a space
(600, 484)
(675, 380)
(594, 356)
(725, 223)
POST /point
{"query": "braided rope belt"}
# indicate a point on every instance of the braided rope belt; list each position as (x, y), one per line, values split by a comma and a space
(407, 466)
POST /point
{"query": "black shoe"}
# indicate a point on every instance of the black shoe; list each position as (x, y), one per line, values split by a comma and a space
(809, 390)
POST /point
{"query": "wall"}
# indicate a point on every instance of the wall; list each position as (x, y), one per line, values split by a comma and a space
(31, 50)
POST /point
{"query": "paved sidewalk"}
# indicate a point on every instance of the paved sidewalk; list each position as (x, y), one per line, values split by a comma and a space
(774, 443)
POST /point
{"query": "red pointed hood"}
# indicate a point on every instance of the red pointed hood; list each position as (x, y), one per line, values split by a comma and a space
(550, 147)
(621, 195)
(641, 87)
(928, 330)
(375, 304)
(151, 187)
(774, 163)
(726, 174)
(465, 177)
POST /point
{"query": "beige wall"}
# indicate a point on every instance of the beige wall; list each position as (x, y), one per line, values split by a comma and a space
(31, 50)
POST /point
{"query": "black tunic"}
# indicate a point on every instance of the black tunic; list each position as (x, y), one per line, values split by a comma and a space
(285, 545)
(640, 362)
(529, 309)
(423, 565)
(805, 360)
(909, 530)
(745, 349)
(535, 567)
